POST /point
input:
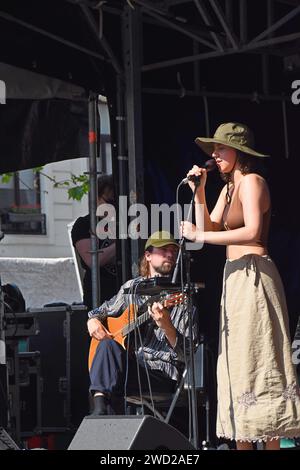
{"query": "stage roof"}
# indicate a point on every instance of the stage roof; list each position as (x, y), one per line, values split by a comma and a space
(189, 47)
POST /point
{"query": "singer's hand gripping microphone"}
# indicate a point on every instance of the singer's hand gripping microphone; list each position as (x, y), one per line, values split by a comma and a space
(209, 165)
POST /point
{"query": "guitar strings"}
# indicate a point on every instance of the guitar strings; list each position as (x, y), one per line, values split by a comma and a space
(125, 330)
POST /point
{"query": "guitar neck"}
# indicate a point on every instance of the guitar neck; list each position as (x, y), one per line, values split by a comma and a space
(140, 319)
(145, 315)
(133, 321)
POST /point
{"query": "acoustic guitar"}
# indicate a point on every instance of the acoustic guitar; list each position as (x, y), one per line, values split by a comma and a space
(121, 326)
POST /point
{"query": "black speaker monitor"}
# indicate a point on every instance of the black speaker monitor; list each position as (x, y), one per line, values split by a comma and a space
(127, 432)
(6, 442)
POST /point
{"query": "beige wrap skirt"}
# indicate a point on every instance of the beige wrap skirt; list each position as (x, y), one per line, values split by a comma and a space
(258, 393)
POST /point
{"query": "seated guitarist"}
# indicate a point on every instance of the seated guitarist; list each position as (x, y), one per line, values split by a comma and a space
(113, 370)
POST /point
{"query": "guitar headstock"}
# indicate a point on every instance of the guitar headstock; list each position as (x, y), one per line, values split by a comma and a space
(176, 298)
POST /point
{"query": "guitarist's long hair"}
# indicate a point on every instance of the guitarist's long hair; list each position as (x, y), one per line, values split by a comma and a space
(144, 269)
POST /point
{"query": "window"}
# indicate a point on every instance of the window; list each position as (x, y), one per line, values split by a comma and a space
(20, 204)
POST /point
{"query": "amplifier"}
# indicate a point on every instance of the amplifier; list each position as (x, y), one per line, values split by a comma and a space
(63, 342)
(20, 324)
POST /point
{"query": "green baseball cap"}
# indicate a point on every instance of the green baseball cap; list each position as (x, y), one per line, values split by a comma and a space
(232, 134)
(159, 239)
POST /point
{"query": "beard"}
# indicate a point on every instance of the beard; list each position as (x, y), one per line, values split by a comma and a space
(164, 269)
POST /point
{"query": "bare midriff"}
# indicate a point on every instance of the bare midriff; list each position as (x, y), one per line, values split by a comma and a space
(237, 251)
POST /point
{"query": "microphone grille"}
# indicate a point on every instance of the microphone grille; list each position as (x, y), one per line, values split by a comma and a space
(210, 164)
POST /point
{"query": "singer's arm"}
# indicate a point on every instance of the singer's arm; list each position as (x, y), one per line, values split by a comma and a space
(213, 221)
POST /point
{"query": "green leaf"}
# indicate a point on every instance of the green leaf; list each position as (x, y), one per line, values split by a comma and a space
(6, 177)
(81, 183)
(78, 192)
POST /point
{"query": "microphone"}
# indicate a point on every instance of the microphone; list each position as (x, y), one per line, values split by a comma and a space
(209, 165)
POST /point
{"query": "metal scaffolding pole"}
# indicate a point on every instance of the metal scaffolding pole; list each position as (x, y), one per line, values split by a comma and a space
(243, 22)
(220, 15)
(275, 26)
(54, 37)
(179, 28)
(93, 107)
(208, 21)
(131, 22)
(215, 94)
(122, 179)
(100, 39)
(209, 55)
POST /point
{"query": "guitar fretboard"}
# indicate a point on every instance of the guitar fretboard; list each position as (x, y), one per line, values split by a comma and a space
(136, 323)
(144, 314)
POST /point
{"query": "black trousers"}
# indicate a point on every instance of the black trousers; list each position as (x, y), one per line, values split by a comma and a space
(109, 368)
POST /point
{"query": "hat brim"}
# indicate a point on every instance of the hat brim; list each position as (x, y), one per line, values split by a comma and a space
(161, 243)
(206, 144)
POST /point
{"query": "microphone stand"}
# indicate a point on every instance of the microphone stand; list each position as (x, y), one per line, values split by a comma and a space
(183, 258)
(182, 240)
(4, 411)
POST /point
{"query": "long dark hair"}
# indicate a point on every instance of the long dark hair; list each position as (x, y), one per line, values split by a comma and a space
(144, 269)
(247, 164)
(103, 182)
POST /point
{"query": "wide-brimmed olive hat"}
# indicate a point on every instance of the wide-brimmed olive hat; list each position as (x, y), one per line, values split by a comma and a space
(232, 134)
(159, 239)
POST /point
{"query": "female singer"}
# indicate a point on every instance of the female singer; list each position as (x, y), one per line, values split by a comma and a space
(258, 393)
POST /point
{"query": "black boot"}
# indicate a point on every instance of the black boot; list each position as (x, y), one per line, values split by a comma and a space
(100, 405)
